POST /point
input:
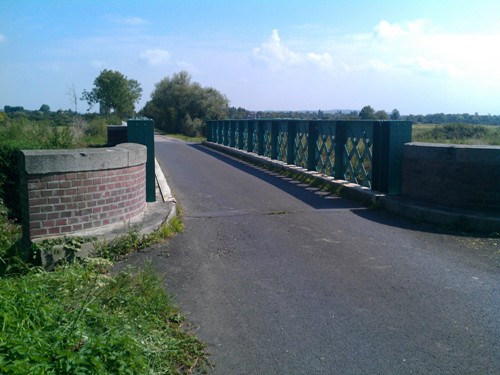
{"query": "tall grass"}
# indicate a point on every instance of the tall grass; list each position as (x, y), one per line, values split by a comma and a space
(457, 133)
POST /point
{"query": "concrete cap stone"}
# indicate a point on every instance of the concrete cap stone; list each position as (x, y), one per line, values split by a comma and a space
(87, 159)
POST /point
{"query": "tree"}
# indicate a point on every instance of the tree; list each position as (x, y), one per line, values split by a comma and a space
(178, 105)
(115, 93)
(367, 113)
(44, 108)
(381, 115)
(395, 115)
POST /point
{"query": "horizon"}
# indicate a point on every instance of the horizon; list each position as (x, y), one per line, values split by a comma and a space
(417, 57)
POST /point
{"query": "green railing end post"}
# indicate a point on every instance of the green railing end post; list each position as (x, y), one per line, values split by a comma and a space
(141, 130)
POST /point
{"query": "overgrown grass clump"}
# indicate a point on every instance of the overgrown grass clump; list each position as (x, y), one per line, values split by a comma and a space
(77, 320)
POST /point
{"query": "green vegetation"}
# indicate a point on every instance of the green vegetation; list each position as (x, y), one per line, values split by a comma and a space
(178, 105)
(81, 317)
(186, 138)
(27, 133)
(457, 133)
(79, 320)
(114, 93)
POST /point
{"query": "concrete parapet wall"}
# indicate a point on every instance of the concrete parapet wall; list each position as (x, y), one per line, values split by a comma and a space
(453, 175)
(64, 191)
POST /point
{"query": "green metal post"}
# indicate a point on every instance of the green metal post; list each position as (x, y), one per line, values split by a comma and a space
(292, 133)
(274, 139)
(232, 132)
(260, 137)
(225, 133)
(312, 139)
(250, 130)
(340, 140)
(241, 129)
(209, 131)
(141, 130)
(389, 138)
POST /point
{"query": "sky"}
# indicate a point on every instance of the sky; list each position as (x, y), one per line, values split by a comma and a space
(416, 56)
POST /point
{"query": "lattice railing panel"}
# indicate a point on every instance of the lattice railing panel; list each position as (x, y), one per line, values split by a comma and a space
(301, 146)
(358, 153)
(268, 140)
(325, 149)
(283, 142)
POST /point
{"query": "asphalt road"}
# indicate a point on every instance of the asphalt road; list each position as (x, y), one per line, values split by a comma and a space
(278, 278)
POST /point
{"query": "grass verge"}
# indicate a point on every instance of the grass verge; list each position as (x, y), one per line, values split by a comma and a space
(80, 320)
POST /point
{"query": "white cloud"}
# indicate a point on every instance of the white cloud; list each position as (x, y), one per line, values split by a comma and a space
(431, 66)
(155, 57)
(275, 54)
(129, 21)
(415, 48)
(386, 30)
(2, 38)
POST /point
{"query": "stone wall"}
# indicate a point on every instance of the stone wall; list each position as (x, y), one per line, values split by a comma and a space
(453, 175)
(65, 191)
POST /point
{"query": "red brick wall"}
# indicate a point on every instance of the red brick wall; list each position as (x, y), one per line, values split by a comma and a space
(450, 175)
(61, 203)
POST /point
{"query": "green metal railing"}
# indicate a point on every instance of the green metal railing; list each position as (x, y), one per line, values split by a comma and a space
(368, 153)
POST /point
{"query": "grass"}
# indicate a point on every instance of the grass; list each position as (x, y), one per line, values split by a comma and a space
(79, 319)
(457, 134)
(183, 137)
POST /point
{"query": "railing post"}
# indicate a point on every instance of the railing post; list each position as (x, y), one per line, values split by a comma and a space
(241, 129)
(340, 140)
(312, 139)
(250, 130)
(389, 138)
(209, 131)
(291, 134)
(260, 137)
(232, 133)
(225, 133)
(274, 139)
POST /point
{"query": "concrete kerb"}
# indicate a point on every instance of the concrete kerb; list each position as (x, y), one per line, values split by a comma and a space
(154, 216)
(399, 205)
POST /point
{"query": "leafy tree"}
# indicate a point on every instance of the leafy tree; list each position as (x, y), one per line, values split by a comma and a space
(178, 105)
(395, 115)
(44, 108)
(114, 92)
(367, 113)
(381, 115)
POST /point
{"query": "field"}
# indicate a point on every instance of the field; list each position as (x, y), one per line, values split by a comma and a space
(457, 133)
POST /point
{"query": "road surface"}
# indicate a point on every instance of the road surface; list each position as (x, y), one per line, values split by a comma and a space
(279, 278)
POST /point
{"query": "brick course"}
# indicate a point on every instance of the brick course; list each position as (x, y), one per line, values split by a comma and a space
(67, 202)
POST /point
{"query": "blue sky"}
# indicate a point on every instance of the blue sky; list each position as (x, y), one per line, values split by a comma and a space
(417, 56)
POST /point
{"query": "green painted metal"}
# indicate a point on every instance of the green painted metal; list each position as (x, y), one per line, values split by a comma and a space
(141, 130)
(368, 153)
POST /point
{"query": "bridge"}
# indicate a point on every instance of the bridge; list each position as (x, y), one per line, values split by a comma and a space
(279, 277)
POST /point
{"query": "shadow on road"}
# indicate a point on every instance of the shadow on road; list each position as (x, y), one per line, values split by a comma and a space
(313, 197)
(322, 200)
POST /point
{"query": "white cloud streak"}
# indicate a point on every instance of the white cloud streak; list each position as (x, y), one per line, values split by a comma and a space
(155, 57)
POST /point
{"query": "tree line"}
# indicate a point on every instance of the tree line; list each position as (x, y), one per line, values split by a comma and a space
(179, 105)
